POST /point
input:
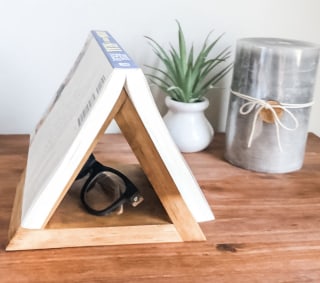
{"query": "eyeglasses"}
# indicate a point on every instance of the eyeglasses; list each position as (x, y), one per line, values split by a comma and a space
(106, 189)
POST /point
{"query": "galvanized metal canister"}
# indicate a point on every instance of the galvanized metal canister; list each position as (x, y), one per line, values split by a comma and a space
(271, 98)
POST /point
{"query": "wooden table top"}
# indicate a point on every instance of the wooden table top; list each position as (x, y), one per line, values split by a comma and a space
(267, 226)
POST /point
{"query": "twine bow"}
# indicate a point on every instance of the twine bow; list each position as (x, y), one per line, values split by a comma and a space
(251, 104)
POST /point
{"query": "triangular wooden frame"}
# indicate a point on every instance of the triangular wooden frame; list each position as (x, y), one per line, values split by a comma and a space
(181, 227)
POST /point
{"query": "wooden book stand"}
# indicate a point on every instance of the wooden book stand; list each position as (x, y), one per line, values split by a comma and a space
(163, 217)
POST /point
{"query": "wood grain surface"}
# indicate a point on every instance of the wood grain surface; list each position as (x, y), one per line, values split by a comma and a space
(267, 226)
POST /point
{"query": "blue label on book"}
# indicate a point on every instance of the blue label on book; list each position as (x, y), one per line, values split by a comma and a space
(117, 57)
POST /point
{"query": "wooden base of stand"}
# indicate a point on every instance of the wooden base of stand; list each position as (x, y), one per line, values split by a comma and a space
(72, 226)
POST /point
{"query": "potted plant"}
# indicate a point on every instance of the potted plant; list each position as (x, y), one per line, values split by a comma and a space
(186, 79)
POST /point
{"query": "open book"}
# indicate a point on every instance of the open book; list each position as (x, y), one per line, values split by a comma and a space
(76, 116)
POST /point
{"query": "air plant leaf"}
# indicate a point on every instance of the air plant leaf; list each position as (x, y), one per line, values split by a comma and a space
(186, 77)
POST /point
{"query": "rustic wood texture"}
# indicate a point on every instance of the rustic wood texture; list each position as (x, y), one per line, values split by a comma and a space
(267, 227)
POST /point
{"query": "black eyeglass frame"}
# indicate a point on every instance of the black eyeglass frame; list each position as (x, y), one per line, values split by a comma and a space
(93, 168)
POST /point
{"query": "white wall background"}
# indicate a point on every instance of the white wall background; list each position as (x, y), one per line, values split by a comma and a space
(40, 40)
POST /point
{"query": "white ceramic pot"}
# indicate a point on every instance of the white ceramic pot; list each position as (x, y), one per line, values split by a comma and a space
(187, 124)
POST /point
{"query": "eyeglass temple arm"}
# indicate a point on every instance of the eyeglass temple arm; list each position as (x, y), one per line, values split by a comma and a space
(87, 166)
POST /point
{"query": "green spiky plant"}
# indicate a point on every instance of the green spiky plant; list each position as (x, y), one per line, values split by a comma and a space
(186, 78)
